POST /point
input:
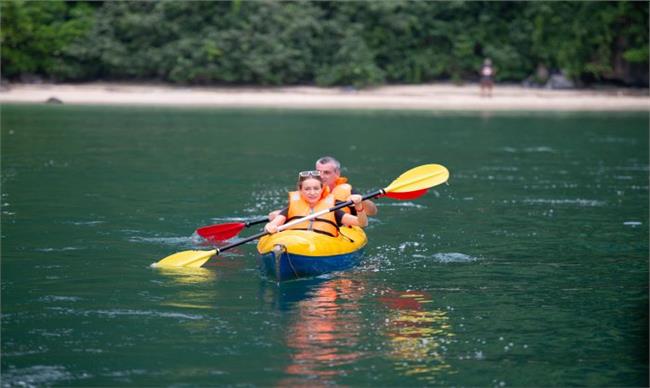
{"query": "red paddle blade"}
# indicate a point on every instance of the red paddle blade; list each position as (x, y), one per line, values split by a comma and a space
(407, 195)
(221, 232)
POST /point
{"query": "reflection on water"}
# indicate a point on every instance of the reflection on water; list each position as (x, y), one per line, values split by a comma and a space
(417, 335)
(284, 296)
(323, 334)
(192, 298)
(183, 275)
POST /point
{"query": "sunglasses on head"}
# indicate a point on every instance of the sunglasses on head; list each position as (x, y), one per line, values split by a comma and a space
(305, 174)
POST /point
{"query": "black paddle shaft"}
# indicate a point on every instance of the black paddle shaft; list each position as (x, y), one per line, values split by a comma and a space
(255, 222)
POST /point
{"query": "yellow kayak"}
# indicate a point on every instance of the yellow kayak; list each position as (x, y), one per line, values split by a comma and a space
(293, 254)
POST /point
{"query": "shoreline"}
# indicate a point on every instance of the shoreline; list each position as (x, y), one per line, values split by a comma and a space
(427, 97)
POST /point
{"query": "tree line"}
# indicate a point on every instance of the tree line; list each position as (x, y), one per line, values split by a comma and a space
(323, 43)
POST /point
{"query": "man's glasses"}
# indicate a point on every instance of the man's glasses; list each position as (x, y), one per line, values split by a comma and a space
(305, 174)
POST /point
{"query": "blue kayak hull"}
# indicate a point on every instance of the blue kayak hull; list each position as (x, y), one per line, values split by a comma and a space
(293, 254)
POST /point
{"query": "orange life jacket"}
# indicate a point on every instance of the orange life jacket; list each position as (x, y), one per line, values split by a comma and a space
(299, 208)
(342, 191)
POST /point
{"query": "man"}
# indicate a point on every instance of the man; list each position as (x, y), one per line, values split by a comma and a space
(330, 173)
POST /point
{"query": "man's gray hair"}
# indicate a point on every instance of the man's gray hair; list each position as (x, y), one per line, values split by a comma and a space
(329, 159)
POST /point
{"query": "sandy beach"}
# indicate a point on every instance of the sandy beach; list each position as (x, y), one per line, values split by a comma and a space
(430, 97)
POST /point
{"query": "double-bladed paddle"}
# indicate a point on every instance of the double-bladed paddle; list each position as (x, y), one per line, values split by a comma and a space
(222, 232)
(410, 185)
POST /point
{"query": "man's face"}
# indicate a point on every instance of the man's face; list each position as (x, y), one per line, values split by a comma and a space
(328, 173)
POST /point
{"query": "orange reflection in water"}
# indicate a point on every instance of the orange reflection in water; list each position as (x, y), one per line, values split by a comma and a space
(324, 331)
(416, 334)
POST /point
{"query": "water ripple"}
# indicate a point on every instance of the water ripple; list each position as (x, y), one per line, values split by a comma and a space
(454, 257)
(162, 240)
(55, 298)
(85, 223)
(128, 312)
(219, 220)
(527, 149)
(58, 249)
(614, 140)
(401, 204)
(34, 376)
(578, 201)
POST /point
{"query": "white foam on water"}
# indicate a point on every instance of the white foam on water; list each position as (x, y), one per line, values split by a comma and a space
(56, 298)
(641, 168)
(218, 220)
(49, 266)
(633, 224)
(500, 168)
(39, 350)
(528, 149)
(539, 149)
(454, 257)
(58, 249)
(126, 312)
(615, 140)
(401, 204)
(52, 333)
(408, 244)
(86, 223)
(578, 201)
(162, 240)
(34, 376)
(265, 200)
(196, 239)
(115, 313)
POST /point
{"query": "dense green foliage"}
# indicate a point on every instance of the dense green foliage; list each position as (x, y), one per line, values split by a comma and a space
(36, 34)
(323, 43)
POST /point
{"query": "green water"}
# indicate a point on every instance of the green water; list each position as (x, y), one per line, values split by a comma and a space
(530, 268)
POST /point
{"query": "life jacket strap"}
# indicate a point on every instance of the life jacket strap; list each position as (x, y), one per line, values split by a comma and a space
(316, 231)
(317, 219)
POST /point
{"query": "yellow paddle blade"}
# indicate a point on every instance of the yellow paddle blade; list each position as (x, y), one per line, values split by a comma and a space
(191, 259)
(419, 178)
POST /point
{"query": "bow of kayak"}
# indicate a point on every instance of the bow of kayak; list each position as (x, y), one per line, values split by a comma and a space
(293, 254)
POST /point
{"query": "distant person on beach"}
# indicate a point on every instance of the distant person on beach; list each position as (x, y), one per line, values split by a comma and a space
(487, 78)
(330, 173)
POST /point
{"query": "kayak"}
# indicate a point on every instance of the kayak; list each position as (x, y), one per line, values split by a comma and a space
(293, 254)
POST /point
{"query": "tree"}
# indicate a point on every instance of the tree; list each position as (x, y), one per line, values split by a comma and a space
(34, 34)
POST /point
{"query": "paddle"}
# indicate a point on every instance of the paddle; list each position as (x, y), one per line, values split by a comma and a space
(410, 185)
(222, 232)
